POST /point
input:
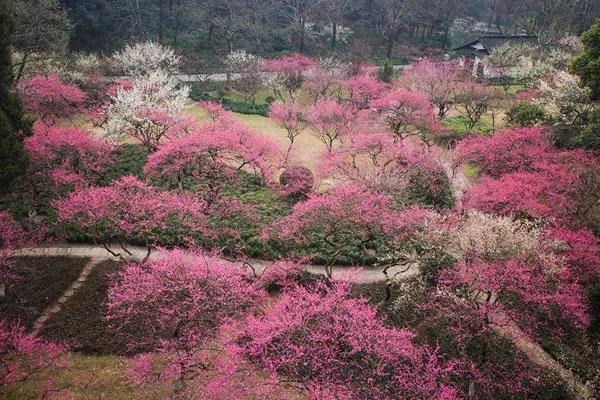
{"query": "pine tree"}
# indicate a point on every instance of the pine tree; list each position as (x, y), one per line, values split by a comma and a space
(13, 159)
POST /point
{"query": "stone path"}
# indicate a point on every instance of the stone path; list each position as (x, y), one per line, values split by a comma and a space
(57, 306)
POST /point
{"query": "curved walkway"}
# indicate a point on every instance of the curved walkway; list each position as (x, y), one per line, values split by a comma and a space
(99, 253)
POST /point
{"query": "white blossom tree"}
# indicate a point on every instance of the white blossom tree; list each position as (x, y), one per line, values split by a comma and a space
(149, 111)
(246, 67)
(565, 100)
(143, 58)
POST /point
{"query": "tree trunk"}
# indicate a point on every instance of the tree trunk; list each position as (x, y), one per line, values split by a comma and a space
(21, 68)
(390, 46)
(302, 34)
(333, 35)
(161, 21)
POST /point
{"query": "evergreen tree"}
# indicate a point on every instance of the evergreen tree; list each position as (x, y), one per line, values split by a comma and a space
(13, 159)
(587, 65)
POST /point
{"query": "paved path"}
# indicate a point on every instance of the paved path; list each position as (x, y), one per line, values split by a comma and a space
(362, 275)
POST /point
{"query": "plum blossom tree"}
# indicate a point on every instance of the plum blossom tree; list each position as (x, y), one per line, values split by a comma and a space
(141, 59)
(406, 113)
(401, 170)
(328, 345)
(330, 121)
(287, 74)
(26, 358)
(212, 156)
(150, 111)
(363, 90)
(290, 117)
(516, 277)
(510, 150)
(348, 219)
(542, 195)
(179, 300)
(66, 157)
(130, 210)
(247, 69)
(50, 98)
(472, 100)
(325, 79)
(436, 80)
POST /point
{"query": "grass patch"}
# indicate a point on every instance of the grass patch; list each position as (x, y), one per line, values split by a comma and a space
(42, 280)
(459, 124)
(471, 171)
(81, 320)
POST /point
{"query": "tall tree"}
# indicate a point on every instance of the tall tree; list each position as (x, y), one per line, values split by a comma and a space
(12, 156)
(587, 65)
(41, 31)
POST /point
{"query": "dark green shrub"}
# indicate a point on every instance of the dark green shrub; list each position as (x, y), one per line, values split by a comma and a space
(526, 114)
(386, 72)
(432, 263)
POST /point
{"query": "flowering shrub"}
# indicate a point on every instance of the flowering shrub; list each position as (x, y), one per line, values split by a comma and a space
(178, 301)
(49, 97)
(130, 210)
(296, 182)
(331, 346)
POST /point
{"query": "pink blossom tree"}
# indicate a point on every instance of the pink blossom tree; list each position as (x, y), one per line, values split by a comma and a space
(130, 210)
(290, 117)
(66, 157)
(179, 301)
(348, 219)
(362, 90)
(436, 80)
(523, 149)
(330, 121)
(472, 100)
(25, 358)
(406, 113)
(328, 345)
(50, 98)
(324, 79)
(541, 195)
(397, 169)
(286, 74)
(212, 156)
